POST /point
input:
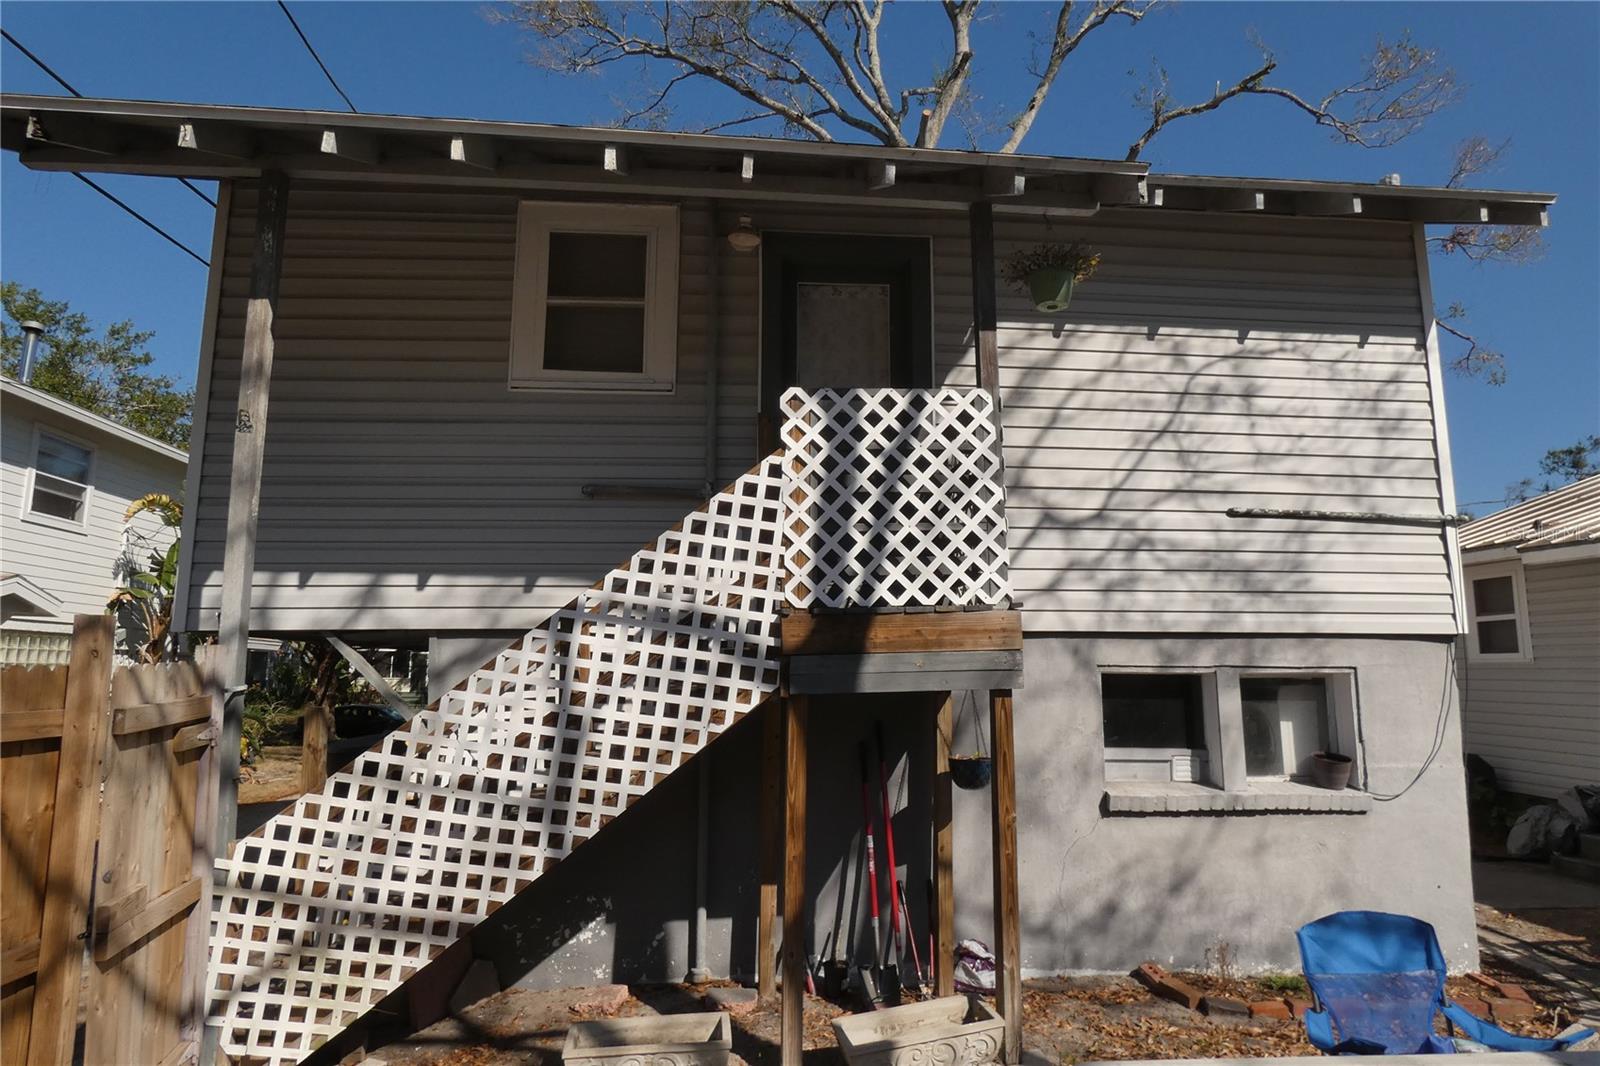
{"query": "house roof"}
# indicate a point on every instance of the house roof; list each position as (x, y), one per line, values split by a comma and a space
(29, 598)
(1567, 516)
(88, 420)
(219, 141)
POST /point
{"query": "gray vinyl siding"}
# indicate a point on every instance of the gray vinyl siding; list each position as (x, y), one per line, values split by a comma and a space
(78, 567)
(1216, 361)
(1538, 721)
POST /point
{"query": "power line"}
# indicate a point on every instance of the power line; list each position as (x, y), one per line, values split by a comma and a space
(307, 42)
(101, 190)
(42, 65)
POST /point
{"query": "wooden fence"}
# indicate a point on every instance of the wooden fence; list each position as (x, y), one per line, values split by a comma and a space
(104, 778)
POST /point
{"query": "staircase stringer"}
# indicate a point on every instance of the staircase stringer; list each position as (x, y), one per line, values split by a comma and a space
(338, 900)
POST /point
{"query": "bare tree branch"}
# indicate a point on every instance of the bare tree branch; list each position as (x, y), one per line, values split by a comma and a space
(814, 19)
(1475, 359)
(1064, 42)
(948, 86)
(1475, 155)
(1403, 86)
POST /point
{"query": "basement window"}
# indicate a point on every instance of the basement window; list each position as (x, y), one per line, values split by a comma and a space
(1285, 723)
(595, 302)
(1154, 727)
(1498, 619)
(59, 491)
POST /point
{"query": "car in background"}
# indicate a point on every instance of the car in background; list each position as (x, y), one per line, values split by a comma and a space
(357, 727)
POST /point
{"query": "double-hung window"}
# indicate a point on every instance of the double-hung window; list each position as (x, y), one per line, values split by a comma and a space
(1498, 618)
(595, 304)
(59, 492)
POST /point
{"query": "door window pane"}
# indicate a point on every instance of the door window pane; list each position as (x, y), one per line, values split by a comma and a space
(598, 265)
(842, 336)
(1285, 723)
(594, 339)
(1152, 711)
(1495, 595)
(1498, 637)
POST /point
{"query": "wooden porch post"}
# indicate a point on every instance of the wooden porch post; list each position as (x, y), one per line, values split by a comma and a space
(792, 1017)
(771, 818)
(980, 235)
(944, 922)
(244, 486)
(1003, 805)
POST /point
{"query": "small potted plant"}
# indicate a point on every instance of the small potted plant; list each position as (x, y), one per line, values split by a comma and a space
(1329, 769)
(1050, 270)
(974, 770)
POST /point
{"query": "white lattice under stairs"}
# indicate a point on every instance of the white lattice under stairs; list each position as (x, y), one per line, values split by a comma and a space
(895, 498)
(336, 901)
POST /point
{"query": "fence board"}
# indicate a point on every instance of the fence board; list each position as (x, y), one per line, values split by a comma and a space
(28, 770)
(138, 998)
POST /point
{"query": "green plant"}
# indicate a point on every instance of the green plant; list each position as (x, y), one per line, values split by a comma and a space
(148, 593)
(263, 719)
(1290, 983)
(1075, 256)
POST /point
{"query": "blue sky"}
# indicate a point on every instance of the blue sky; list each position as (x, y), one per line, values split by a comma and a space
(1530, 71)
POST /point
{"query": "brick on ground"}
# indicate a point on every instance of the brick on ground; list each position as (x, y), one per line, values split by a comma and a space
(1163, 984)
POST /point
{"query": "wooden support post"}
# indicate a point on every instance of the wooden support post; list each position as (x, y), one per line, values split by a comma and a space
(944, 919)
(771, 816)
(1003, 803)
(244, 487)
(318, 727)
(792, 1017)
(70, 868)
(980, 236)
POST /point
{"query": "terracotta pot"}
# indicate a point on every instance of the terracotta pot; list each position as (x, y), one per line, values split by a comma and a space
(1051, 289)
(971, 772)
(1331, 770)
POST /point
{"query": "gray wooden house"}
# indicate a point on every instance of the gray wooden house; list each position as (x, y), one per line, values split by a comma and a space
(645, 431)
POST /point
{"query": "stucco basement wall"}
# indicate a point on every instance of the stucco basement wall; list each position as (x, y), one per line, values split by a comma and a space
(1099, 894)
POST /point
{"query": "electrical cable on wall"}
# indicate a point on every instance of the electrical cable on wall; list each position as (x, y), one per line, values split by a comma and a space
(1439, 728)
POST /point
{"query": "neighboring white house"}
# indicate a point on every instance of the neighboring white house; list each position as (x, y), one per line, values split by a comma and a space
(1530, 681)
(66, 478)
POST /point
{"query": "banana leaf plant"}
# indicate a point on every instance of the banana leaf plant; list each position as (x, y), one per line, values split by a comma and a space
(147, 594)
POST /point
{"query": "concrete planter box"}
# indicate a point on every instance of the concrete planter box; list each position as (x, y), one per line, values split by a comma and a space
(655, 1040)
(952, 1031)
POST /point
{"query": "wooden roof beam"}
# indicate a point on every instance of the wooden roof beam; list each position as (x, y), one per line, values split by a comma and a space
(1237, 200)
(880, 175)
(1519, 215)
(73, 131)
(1004, 181)
(1327, 204)
(615, 160)
(1119, 190)
(473, 152)
(747, 167)
(216, 139)
(357, 145)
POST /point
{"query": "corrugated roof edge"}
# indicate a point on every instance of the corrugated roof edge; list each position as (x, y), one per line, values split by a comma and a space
(1564, 516)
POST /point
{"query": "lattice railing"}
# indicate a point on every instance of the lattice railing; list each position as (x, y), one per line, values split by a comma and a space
(336, 901)
(895, 498)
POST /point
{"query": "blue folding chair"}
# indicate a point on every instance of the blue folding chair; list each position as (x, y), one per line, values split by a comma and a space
(1379, 984)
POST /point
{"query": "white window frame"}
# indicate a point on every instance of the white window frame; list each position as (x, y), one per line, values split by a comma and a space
(81, 523)
(1339, 689)
(536, 220)
(1511, 568)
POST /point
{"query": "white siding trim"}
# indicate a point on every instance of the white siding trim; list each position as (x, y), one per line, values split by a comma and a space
(202, 405)
(1441, 426)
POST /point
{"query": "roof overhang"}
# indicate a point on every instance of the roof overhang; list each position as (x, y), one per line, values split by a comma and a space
(82, 420)
(216, 141)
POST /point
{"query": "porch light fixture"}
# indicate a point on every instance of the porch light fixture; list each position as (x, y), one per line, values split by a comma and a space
(744, 237)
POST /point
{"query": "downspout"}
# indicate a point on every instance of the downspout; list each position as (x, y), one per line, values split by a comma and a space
(698, 971)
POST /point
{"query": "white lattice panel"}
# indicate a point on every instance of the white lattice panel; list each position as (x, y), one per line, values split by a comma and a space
(336, 901)
(895, 498)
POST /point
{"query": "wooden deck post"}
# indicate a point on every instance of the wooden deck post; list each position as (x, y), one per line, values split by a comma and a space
(244, 487)
(1003, 803)
(792, 1017)
(70, 867)
(771, 818)
(980, 235)
(944, 919)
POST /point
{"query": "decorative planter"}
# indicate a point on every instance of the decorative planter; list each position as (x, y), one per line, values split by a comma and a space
(654, 1040)
(952, 1031)
(1051, 289)
(971, 772)
(1331, 770)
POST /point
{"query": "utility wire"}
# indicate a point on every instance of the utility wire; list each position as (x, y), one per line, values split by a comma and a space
(141, 218)
(307, 42)
(42, 65)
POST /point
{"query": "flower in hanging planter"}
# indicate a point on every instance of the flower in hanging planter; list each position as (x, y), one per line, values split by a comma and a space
(1049, 271)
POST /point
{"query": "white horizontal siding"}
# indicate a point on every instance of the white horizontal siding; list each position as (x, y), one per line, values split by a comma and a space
(78, 567)
(1214, 362)
(1538, 721)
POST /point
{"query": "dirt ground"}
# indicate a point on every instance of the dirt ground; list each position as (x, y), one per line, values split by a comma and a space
(275, 775)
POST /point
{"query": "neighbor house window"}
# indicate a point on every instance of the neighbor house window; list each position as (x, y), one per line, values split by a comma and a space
(595, 303)
(59, 492)
(1499, 617)
(1154, 727)
(1285, 723)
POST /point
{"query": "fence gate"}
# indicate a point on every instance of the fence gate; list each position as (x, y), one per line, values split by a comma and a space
(103, 869)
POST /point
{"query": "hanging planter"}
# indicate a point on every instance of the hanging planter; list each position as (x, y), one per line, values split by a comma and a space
(1050, 271)
(971, 772)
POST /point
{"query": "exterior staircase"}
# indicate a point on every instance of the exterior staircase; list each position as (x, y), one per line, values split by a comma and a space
(878, 498)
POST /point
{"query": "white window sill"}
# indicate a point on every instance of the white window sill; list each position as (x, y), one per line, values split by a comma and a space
(1259, 797)
(65, 525)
